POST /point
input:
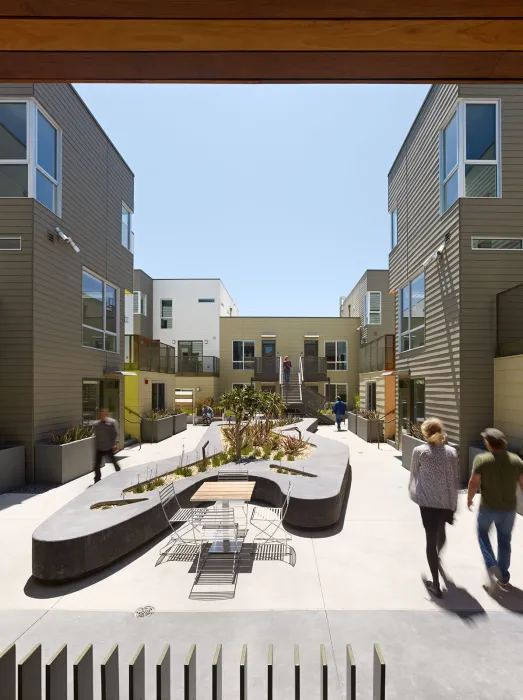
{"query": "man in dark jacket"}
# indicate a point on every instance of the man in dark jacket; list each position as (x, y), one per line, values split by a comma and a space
(106, 442)
(339, 410)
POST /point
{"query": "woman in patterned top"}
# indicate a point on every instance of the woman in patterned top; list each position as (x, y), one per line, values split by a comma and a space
(434, 484)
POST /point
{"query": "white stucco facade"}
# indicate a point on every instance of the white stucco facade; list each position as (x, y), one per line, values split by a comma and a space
(197, 305)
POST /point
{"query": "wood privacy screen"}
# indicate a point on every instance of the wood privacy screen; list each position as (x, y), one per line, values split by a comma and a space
(27, 679)
(261, 40)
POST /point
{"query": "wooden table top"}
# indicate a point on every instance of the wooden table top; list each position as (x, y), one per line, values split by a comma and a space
(224, 491)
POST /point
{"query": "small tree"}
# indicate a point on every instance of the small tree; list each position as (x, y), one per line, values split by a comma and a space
(272, 404)
(243, 403)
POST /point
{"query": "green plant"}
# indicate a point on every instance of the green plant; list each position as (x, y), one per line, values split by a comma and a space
(370, 415)
(415, 431)
(77, 432)
(139, 488)
(201, 466)
(356, 404)
(279, 455)
(243, 402)
(216, 461)
(183, 471)
(291, 458)
(293, 446)
(155, 415)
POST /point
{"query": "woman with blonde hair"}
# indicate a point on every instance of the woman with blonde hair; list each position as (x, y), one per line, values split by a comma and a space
(434, 484)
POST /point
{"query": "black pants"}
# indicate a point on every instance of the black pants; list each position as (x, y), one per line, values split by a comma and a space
(434, 521)
(109, 457)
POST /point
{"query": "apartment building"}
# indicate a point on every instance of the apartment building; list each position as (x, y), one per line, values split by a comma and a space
(66, 260)
(455, 206)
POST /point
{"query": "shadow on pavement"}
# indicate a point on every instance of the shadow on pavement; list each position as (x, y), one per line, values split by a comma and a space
(511, 599)
(459, 601)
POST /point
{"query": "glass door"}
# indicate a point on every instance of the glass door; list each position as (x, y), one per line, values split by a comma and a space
(310, 348)
(110, 397)
(90, 400)
(405, 408)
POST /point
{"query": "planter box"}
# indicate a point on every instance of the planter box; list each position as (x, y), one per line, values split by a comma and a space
(352, 422)
(369, 430)
(180, 423)
(157, 430)
(12, 467)
(58, 464)
(408, 443)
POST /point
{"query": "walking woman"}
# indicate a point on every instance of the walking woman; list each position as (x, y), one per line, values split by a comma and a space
(434, 484)
(287, 365)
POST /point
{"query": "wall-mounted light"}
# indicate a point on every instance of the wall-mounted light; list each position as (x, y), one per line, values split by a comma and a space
(67, 239)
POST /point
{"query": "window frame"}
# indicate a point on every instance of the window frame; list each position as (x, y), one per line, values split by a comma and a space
(129, 237)
(336, 361)
(460, 110)
(336, 393)
(165, 402)
(11, 238)
(31, 159)
(368, 311)
(142, 303)
(206, 300)
(402, 333)
(495, 250)
(371, 393)
(103, 330)
(394, 228)
(166, 318)
(243, 368)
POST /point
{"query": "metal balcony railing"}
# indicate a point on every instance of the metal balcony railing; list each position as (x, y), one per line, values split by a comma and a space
(149, 355)
(266, 369)
(315, 369)
(378, 355)
(510, 322)
(206, 365)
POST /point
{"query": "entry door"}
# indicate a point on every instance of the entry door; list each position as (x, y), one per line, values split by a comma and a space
(310, 348)
(110, 399)
(404, 406)
(268, 348)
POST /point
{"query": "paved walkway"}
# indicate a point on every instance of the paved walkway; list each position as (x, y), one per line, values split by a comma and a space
(358, 584)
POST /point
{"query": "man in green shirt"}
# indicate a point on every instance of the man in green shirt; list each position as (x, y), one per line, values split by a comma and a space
(498, 472)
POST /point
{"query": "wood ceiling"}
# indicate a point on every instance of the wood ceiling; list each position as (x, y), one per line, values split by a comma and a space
(261, 40)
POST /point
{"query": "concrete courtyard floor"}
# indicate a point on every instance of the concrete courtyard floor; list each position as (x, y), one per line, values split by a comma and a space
(358, 583)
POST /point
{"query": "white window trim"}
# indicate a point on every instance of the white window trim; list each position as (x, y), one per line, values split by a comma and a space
(32, 108)
(141, 297)
(460, 110)
(11, 238)
(336, 362)
(242, 369)
(368, 311)
(166, 318)
(402, 333)
(496, 238)
(130, 238)
(392, 244)
(100, 330)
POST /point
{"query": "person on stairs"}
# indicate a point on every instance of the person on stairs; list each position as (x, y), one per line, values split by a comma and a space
(287, 366)
(339, 409)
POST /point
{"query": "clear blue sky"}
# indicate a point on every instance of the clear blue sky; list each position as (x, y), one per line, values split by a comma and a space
(280, 190)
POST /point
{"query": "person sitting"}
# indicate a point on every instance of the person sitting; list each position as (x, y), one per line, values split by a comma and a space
(207, 413)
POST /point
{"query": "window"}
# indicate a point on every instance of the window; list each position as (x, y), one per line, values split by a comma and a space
(372, 308)
(99, 313)
(166, 313)
(237, 385)
(412, 314)
(10, 243)
(30, 154)
(243, 353)
(418, 400)
(126, 227)
(140, 303)
(469, 153)
(394, 228)
(336, 354)
(158, 402)
(333, 390)
(370, 396)
(497, 243)
(206, 301)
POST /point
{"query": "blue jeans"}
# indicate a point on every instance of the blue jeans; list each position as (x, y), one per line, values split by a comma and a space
(339, 418)
(504, 521)
(287, 375)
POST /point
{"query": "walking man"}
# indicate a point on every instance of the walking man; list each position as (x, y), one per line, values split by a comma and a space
(498, 473)
(106, 442)
(339, 410)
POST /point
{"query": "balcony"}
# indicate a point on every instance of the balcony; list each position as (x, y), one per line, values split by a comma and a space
(510, 322)
(378, 355)
(198, 366)
(266, 369)
(315, 369)
(148, 355)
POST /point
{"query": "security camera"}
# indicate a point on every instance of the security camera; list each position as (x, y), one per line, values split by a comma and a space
(440, 250)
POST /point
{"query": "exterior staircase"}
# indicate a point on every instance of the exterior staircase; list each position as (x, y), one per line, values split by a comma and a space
(302, 399)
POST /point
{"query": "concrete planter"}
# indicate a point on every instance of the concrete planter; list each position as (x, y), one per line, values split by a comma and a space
(12, 467)
(180, 423)
(157, 430)
(408, 443)
(58, 464)
(369, 430)
(352, 419)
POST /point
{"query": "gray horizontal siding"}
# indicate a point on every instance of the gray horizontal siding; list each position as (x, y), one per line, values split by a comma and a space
(143, 325)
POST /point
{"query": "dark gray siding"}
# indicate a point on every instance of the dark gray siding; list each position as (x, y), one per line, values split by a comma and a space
(16, 325)
(414, 190)
(143, 325)
(485, 273)
(354, 306)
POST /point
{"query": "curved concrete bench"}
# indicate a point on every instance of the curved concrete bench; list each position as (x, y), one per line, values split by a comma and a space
(77, 540)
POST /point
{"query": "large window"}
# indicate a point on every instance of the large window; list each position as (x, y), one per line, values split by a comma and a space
(158, 396)
(372, 308)
(30, 154)
(166, 313)
(126, 227)
(140, 303)
(370, 396)
(394, 228)
(336, 354)
(469, 153)
(412, 314)
(418, 400)
(243, 353)
(334, 390)
(99, 313)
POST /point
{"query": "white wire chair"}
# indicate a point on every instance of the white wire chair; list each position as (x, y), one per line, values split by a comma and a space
(233, 475)
(183, 520)
(269, 522)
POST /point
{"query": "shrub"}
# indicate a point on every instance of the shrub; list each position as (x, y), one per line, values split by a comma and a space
(415, 431)
(77, 432)
(293, 445)
(257, 453)
(155, 415)
(216, 461)
(370, 415)
(183, 471)
(356, 404)
(290, 458)
(201, 466)
(279, 455)
(139, 488)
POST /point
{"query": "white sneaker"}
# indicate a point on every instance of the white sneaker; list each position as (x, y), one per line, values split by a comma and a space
(492, 580)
